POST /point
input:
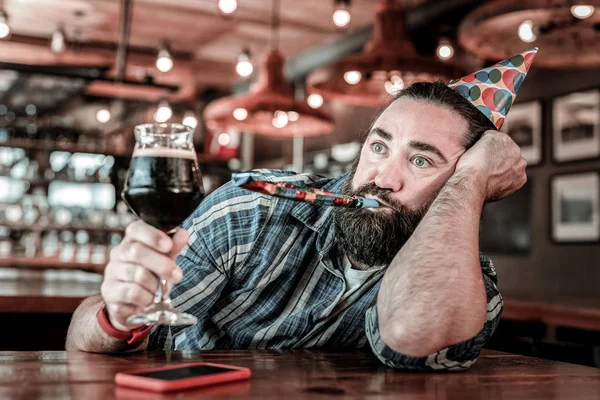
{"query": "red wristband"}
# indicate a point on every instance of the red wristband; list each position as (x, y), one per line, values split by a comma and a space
(131, 337)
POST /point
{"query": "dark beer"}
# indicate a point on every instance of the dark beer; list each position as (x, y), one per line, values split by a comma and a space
(164, 186)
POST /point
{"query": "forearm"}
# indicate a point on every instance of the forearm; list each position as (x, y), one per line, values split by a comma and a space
(433, 293)
(86, 335)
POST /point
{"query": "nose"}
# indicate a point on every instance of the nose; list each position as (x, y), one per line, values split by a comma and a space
(390, 176)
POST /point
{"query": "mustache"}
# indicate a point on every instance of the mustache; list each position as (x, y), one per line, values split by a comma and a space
(379, 193)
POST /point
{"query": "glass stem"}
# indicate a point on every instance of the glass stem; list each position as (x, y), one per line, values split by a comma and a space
(162, 293)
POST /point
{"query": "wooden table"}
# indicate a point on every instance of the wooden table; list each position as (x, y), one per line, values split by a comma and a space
(295, 375)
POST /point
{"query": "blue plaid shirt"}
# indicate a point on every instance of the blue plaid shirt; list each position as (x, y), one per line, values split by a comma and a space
(265, 273)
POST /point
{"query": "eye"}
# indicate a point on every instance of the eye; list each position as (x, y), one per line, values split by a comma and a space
(421, 162)
(378, 148)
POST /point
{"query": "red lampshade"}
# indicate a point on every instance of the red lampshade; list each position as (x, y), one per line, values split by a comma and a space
(389, 57)
(269, 94)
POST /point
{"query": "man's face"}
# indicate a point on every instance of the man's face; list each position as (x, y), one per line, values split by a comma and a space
(409, 154)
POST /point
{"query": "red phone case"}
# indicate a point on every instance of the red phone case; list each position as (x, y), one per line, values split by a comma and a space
(129, 379)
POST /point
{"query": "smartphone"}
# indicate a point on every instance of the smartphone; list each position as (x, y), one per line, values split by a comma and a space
(181, 377)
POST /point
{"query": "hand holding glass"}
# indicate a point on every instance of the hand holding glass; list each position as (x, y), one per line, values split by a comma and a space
(163, 187)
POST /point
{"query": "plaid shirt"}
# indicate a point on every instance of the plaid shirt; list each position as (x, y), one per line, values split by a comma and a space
(263, 272)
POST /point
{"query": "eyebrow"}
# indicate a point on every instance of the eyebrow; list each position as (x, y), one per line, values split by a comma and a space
(382, 133)
(427, 147)
(413, 143)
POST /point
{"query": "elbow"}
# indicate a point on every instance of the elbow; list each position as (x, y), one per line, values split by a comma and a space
(423, 342)
(405, 341)
(74, 341)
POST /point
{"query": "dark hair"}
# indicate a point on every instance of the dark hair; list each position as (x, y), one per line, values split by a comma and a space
(439, 94)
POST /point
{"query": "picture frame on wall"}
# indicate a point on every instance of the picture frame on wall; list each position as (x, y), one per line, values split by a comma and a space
(575, 207)
(524, 125)
(576, 126)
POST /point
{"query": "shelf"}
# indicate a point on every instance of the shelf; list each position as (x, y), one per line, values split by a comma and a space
(38, 228)
(42, 296)
(70, 147)
(75, 148)
(47, 263)
(579, 313)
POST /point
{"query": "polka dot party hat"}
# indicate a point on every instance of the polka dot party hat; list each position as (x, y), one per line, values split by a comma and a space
(493, 90)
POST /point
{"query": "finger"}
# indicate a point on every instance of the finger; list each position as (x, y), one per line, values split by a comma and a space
(128, 293)
(139, 231)
(137, 253)
(135, 273)
(180, 239)
(121, 311)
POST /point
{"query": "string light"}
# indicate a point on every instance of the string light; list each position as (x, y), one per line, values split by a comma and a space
(224, 139)
(445, 50)
(280, 119)
(244, 67)
(163, 112)
(4, 28)
(341, 15)
(58, 42)
(394, 84)
(293, 116)
(240, 114)
(526, 33)
(189, 119)
(103, 115)
(164, 61)
(352, 77)
(227, 6)
(582, 11)
(315, 100)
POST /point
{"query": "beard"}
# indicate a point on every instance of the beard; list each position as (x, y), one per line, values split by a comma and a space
(373, 238)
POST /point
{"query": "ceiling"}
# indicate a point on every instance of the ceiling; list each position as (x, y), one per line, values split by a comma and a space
(196, 31)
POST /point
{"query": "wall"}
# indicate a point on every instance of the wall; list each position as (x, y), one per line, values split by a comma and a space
(551, 269)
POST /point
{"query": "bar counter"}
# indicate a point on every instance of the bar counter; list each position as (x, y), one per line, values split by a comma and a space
(296, 374)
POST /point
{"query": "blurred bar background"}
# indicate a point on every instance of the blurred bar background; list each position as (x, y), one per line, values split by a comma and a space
(287, 84)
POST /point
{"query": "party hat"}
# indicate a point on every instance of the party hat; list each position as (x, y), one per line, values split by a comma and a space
(493, 90)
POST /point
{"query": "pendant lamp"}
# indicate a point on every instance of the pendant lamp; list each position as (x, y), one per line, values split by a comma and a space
(270, 108)
(388, 63)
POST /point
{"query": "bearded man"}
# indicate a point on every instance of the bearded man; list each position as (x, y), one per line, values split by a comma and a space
(405, 279)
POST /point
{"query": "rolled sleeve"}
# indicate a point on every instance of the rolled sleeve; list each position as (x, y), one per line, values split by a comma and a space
(457, 357)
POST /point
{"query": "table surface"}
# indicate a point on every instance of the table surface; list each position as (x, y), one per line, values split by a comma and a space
(296, 374)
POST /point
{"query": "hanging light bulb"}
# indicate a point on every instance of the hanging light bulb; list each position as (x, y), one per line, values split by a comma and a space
(445, 50)
(58, 43)
(293, 116)
(352, 77)
(4, 28)
(582, 11)
(227, 6)
(103, 115)
(164, 61)
(394, 84)
(189, 119)
(244, 67)
(341, 16)
(240, 114)
(224, 139)
(526, 33)
(163, 112)
(315, 100)
(280, 119)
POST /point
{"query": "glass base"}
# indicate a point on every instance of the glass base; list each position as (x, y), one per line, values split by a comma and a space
(162, 314)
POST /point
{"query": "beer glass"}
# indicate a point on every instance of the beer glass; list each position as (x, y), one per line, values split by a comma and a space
(163, 188)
